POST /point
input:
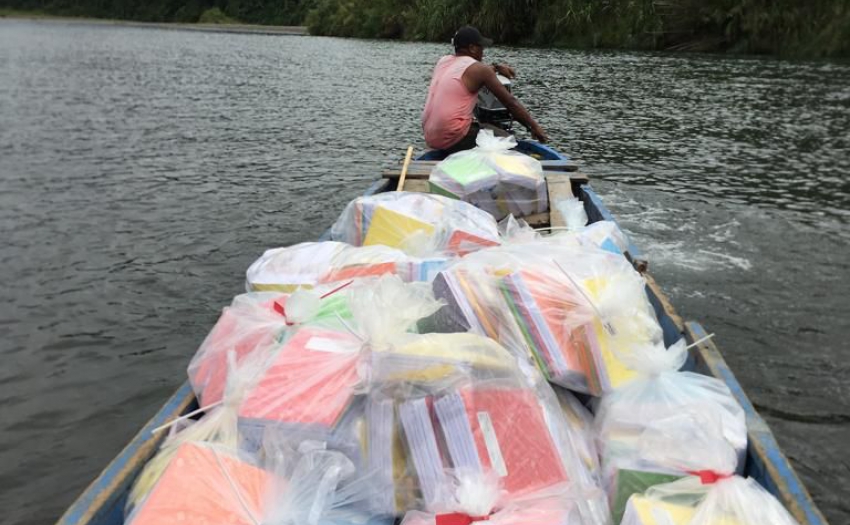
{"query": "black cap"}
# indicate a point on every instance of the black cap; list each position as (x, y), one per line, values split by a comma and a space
(468, 35)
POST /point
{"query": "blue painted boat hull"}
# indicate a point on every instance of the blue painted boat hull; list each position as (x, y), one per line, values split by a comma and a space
(102, 503)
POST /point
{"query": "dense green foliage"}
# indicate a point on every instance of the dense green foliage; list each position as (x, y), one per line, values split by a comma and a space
(784, 27)
(276, 12)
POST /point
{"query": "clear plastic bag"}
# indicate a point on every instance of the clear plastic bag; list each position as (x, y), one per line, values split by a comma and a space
(691, 501)
(290, 268)
(306, 484)
(420, 224)
(481, 498)
(493, 178)
(664, 424)
(575, 310)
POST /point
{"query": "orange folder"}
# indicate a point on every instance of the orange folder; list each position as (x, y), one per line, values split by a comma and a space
(205, 484)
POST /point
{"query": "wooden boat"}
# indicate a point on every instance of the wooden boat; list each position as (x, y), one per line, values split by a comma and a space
(102, 503)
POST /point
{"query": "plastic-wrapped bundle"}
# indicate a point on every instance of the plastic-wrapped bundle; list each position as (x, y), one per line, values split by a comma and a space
(664, 424)
(493, 178)
(417, 223)
(698, 501)
(574, 309)
(481, 498)
(215, 485)
(307, 265)
(257, 321)
(310, 388)
(217, 426)
(251, 321)
(291, 268)
(206, 484)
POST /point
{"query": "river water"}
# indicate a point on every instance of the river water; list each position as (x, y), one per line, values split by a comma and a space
(142, 171)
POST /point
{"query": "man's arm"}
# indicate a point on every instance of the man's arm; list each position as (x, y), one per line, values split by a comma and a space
(478, 75)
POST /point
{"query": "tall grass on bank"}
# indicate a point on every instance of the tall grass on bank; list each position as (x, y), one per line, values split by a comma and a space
(783, 27)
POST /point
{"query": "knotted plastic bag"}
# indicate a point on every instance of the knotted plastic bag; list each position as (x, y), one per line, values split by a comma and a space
(493, 178)
(476, 498)
(664, 424)
(217, 426)
(420, 224)
(707, 501)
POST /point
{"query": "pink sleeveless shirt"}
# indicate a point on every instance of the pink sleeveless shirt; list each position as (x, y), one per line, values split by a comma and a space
(448, 108)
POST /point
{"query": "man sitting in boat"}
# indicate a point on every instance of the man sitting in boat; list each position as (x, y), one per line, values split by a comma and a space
(447, 119)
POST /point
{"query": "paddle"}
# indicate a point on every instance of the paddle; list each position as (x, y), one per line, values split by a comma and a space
(401, 178)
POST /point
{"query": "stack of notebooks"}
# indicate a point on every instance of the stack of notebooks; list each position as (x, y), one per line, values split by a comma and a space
(308, 387)
(253, 322)
(535, 313)
(416, 223)
(480, 430)
(291, 268)
(374, 261)
(206, 484)
(501, 183)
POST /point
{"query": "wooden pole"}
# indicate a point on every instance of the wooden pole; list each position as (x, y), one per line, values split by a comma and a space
(407, 158)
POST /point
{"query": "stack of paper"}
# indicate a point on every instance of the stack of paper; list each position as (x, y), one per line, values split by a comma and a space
(206, 484)
(293, 267)
(502, 430)
(647, 511)
(253, 322)
(500, 183)
(421, 224)
(557, 327)
(309, 385)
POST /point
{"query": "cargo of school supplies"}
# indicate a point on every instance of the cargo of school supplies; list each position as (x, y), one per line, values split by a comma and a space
(493, 178)
(573, 309)
(707, 500)
(419, 224)
(663, 424)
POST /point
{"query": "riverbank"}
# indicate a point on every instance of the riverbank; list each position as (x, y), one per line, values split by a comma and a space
(209, 28)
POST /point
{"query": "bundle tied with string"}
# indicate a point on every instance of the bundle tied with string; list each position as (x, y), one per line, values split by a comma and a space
(419, 224)
(493, 178)
(665, 424)
(709, 492)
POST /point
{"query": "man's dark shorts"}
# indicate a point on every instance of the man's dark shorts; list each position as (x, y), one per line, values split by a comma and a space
(467, 142)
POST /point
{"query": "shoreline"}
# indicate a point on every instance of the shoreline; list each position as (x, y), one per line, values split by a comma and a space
(249, 29)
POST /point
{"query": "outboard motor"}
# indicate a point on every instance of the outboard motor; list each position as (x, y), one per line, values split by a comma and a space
(489, 110)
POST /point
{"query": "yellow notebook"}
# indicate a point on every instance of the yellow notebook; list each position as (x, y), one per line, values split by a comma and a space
(391, 228)
(645, 511)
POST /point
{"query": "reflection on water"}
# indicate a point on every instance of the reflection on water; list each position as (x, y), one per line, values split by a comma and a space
(141, 171)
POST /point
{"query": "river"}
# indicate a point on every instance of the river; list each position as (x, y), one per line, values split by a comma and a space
(143, 170)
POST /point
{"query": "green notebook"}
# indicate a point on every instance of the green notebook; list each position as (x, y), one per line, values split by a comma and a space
(630, 482)
(467, 169)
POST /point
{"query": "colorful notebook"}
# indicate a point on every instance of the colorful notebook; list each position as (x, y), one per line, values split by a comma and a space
(392, 228)
(502, 430)
(205, 484)
(641, 510)
(311, 381)
(552, 320)
(239, 331)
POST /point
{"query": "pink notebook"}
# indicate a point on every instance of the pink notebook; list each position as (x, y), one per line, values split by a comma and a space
(509, 433)
(311, 381)
(205, 484)
(240, 330)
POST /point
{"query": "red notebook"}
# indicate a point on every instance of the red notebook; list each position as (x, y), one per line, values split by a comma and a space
(311, 381)
(509, 433)
(240, 330)
(205, 484)
(359, 270)
(462, 243)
